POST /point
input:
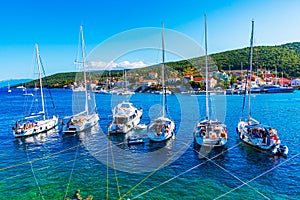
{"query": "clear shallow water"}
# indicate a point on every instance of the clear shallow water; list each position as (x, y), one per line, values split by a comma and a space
(52, 166)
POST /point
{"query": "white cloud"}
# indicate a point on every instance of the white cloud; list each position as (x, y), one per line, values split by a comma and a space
(100, 65)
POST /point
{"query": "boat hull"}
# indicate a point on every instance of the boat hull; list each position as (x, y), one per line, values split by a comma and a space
(80, 123)
(210, 133)
(245, 132)
(161, 129)
(36, 127)
(126, 117)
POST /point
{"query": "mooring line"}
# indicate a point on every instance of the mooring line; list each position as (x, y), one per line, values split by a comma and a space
(233, 175)
(31, 167)
(115, 171)
(159, 167)
(71, 174)
(174, 177)
(258, 176)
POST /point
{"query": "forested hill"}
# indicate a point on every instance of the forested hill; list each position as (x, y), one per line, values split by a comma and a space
(285, 57)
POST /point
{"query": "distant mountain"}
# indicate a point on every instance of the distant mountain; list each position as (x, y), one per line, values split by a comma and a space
(13, 82)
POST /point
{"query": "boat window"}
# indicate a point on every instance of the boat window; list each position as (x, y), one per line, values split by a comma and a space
(132, 116)
(120, 120)
(125, 106)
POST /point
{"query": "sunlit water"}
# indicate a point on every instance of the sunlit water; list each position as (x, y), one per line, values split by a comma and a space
(52, 165)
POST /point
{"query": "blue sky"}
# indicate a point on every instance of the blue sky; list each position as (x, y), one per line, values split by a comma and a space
(55, 25)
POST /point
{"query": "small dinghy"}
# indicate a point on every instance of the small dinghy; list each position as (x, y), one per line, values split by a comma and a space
(135, 140)
(281, 150)
(141, 126)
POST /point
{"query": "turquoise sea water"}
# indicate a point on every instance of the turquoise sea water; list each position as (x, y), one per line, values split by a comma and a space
(53, 166)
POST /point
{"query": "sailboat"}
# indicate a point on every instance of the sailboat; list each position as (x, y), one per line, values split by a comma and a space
(251, 131)
(37, 121)
(26, 93)
(162, 128)
(88, 117)
(125, 91)
(208, 132)
(8, 88)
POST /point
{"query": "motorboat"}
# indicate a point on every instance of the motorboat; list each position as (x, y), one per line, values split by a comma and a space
(125, 118)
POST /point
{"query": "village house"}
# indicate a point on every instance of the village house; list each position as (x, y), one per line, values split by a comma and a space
(211, 81)
(152, 75)
(173, 79)
(284, 81)
(295, 83)
(147, 82)
(188, 78)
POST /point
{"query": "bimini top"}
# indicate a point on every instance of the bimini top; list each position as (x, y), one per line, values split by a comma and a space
(258, 126)
(208, 122)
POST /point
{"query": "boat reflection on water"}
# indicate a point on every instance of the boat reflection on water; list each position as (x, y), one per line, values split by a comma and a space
(24, 143)
(209, 152)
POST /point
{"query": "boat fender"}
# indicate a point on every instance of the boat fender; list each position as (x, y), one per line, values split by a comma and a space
(275, 150)
(284, 150)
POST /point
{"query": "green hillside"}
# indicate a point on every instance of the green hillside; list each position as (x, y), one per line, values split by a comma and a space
(285, 57)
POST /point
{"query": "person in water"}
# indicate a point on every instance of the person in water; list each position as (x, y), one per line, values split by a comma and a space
(77, 195)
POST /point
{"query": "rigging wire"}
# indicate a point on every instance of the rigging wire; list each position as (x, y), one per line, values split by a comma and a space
(45, 77)
(244, 98)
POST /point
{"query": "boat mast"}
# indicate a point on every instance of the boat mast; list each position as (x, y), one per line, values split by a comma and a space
(206, 71)
(84, 69)
(251, 54)
(40, 77)
(163, 71)
(125, 79)
(276, 77)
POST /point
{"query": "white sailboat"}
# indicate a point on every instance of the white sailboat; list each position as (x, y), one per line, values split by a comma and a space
(37, 121)
(88, 117)
(162, 128)
(125, 118)
(209, 132)
(125, 91)
(26, 93)
(8, 88)
(251, 131)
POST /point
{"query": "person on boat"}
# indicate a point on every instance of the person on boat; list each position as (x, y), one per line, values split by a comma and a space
(272, 131)
(256, 133)
(202, 133)
(163, 129)
(273, 135)
(77, 195)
